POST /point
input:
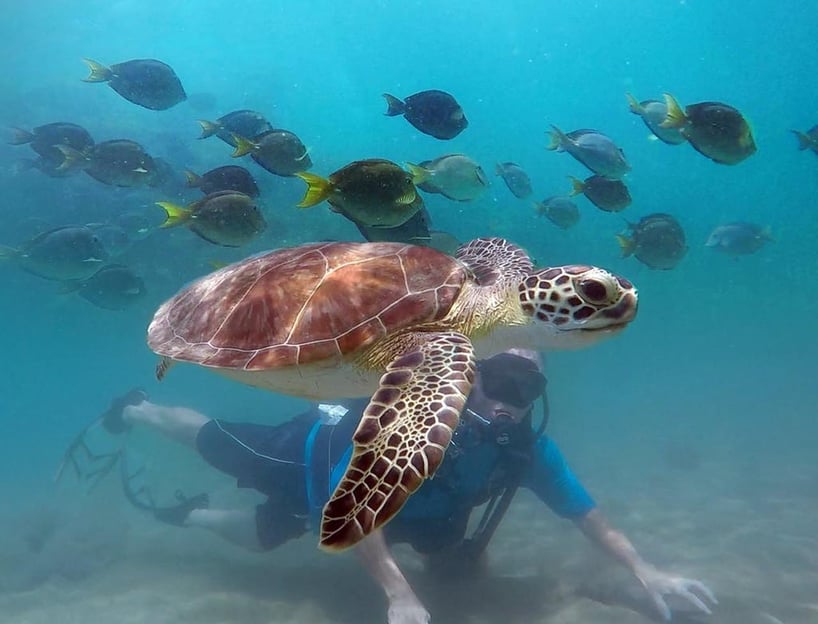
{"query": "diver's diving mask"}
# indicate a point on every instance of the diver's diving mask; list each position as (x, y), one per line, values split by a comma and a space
(511, 379)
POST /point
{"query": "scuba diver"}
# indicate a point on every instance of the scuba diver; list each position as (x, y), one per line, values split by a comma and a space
(496, 449)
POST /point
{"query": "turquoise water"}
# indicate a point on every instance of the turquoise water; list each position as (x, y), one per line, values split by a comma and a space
(721, 358)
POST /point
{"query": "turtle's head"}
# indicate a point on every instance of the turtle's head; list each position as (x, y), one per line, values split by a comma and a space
(577, 305)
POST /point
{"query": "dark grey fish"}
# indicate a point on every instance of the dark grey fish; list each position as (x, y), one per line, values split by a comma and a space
(807, 140)
(114, 238)
(604, 193)
(278, 151)
(654, 113)
(516, 179)
(657, 241)
(135, 224)
(227, 178)
(119, 162)
(739, 239)
(163, 175)
(561, 211)
(225, 218)
(146, 82)
(64, 253)
(443, 241)
(45, 139)
(373, 192)
(245, 123)
(414, 231)
(113, 287)
(714, 129)
(435, 113)
(593, 149)
(47, 167)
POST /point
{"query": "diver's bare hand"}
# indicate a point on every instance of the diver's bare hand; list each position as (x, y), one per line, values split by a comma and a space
(660, 584)
(407, 611)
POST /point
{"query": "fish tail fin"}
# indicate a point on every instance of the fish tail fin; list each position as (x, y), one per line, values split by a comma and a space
(99, 73)
(192, 180)
(804, 142)
(419, 174)
(176, 215)
(209, 128)
(394, 106)
(676, 117)
(556, 137)
(7, 253)
(634, 105)
(71, 158)
(498, 169)
(243, 146)
(626, 245)
(539, 208)
(20, 136)
(577, 186)
(318, 189)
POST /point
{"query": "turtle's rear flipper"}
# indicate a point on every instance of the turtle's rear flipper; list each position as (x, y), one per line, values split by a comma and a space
(402, 436)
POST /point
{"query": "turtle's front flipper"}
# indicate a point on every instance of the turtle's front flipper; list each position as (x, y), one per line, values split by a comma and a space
(402, 435)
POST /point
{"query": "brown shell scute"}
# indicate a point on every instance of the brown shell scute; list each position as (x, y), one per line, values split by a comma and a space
(305, 304)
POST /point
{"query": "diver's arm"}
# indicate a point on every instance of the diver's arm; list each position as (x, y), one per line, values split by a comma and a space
(657, 583)
(596, 528)
(404, 606)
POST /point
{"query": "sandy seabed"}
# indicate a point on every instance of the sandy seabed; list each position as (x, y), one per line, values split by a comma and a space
(757, 550)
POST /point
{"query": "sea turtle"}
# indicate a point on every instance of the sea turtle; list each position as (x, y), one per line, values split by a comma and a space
(401, 322)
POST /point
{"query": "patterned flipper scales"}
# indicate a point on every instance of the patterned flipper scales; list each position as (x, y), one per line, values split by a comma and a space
(402, 436)
(495, 259)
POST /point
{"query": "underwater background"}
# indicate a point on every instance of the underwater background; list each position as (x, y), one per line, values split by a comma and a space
(695, 429)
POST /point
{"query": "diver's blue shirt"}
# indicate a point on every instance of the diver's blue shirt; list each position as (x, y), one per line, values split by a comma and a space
(467, 477)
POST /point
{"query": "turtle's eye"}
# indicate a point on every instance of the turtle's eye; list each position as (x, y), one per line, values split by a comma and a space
(595, 290)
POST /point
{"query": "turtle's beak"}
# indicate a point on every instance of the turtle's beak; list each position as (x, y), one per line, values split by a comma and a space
(625, 310)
